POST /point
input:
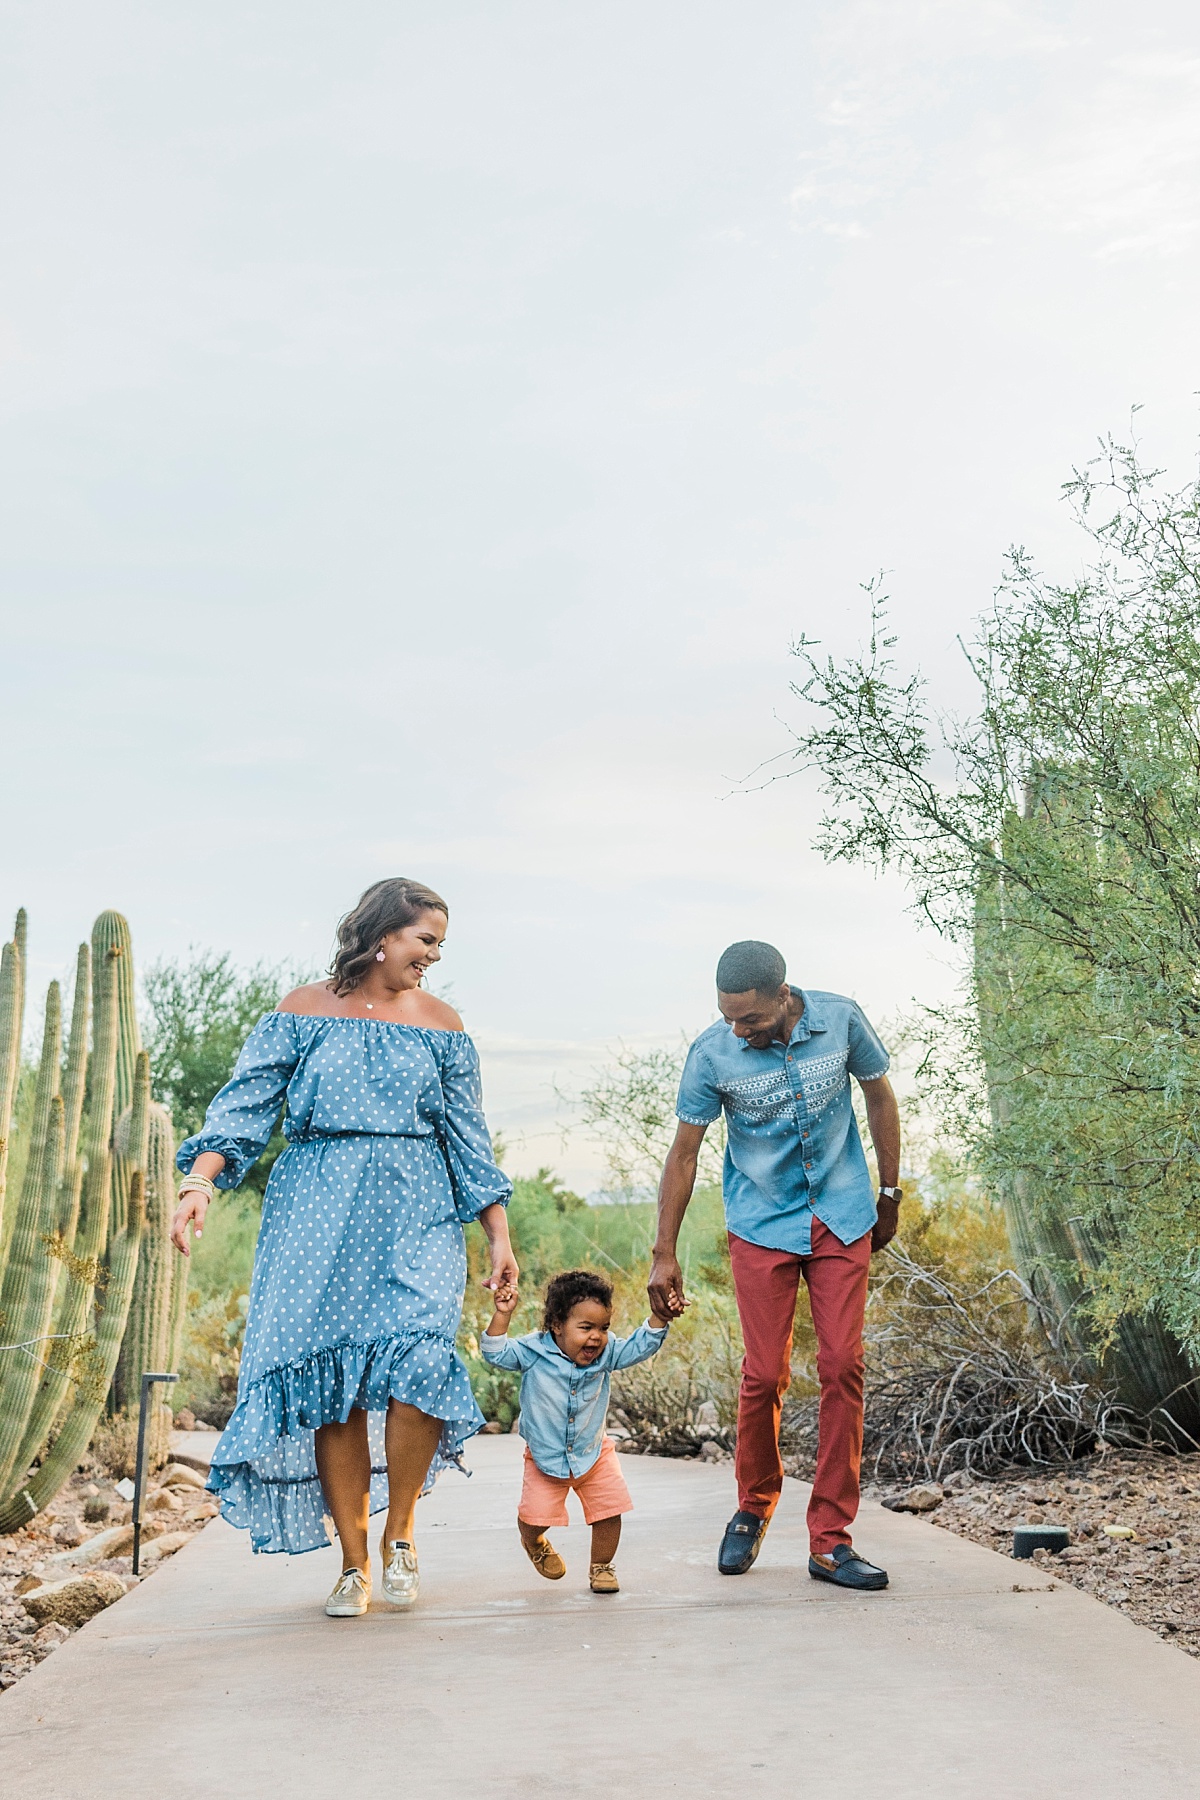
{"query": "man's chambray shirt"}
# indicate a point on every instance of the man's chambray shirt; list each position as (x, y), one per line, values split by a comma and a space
(563, 1404)
(793, 1147)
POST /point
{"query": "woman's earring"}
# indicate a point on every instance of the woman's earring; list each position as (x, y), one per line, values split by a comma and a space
(379, 956)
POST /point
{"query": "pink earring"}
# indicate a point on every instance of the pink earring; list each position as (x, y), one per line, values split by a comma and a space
(379, 956)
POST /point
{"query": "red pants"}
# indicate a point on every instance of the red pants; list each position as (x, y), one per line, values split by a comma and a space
(766, 1283)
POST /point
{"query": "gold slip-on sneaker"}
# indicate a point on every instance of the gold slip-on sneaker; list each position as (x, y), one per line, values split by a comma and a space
(604, 1579)
(351, 1595)
(545, 1559)
(401, 1582)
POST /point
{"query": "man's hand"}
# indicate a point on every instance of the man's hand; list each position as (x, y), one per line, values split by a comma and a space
(885, 1224)
(665, 1286)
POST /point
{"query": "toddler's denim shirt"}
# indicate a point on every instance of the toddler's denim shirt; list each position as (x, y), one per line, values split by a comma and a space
(563, 1406)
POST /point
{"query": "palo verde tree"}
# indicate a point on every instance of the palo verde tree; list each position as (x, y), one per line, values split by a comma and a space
(1061, 850)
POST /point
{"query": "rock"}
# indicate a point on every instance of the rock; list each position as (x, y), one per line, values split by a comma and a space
(167, 1545)
(27, 1584)
(116, 1541)
(95, 1549)
(163, 1500)
(74, 1601)
(49, 1637)
(1035, 1516)
(96, 1508)
(123, 1543)
(125, 1488)
(1123, 1532)
(708, 1422)
(491, 1429)
(179, 1475)
(70, 1534)
(920, 1499)
(203, 1425)
(710, 1451)
(195, 1515)
(185, 1419)
(958, 1481)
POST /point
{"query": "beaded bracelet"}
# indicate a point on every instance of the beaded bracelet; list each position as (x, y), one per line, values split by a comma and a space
(200, 1183)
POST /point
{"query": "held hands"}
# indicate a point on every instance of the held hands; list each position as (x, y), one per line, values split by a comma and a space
(504, 1263)
(665, 1287)
(504, 1305)
(506, 1300)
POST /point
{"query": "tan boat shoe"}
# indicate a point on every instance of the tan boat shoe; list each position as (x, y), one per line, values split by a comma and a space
(604, 1579)
(545, 1559)
(351, 1595)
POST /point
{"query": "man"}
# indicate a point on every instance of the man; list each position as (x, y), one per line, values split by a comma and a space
(798, 1202)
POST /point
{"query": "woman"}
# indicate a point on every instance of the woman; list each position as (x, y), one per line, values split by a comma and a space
(350, 1385)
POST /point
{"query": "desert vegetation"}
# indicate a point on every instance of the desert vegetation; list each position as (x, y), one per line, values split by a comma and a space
(91, 1295)
(1038, 1312)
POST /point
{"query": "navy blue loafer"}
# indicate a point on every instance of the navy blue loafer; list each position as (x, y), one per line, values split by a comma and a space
(740, 1545)
(846, 1568)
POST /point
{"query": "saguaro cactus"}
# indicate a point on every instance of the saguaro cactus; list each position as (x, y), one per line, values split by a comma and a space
(71, 1269)
(1031, 1002)
(148, 1336)
(12, 1019)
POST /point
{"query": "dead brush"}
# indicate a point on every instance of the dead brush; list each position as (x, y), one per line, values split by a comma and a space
(971, 1379)
(659, 1402)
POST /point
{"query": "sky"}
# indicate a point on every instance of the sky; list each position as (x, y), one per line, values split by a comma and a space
(424, 431)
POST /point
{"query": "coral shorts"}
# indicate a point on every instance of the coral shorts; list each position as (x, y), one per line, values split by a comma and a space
(602, 1491)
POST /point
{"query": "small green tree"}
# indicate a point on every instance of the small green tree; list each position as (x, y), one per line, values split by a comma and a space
(629, 1108)
(1056, 835)
(200, 1012)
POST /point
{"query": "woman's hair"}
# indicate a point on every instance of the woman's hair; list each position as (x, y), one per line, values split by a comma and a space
(567, 1290)
(387, 905)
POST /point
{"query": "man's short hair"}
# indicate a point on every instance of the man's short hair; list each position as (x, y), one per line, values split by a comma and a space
(751, 965)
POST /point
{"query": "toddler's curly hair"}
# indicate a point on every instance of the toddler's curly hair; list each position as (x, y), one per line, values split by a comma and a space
(568, 1289)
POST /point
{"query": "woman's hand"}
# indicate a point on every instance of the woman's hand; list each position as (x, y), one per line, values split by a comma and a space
(192, 1208)
(504, 1273)
(194, 1202)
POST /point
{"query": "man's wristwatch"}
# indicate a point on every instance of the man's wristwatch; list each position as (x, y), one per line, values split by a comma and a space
(891, 1193)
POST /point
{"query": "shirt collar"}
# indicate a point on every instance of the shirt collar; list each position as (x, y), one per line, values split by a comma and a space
(551, 1348)
(810, 1020)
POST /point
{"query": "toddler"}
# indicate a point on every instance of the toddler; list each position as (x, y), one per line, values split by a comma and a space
(566, 1371)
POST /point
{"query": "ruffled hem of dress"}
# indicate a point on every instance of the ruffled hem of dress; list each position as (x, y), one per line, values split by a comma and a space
(264, 1466)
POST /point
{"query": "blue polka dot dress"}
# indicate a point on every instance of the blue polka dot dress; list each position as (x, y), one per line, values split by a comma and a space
(360, 1268)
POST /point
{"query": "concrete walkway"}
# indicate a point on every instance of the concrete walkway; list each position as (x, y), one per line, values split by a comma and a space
(972, 1676)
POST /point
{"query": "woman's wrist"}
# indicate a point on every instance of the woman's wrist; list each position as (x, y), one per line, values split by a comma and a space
(494, 1220)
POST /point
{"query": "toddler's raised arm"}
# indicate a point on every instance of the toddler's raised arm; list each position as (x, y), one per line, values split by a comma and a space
(640, 1345)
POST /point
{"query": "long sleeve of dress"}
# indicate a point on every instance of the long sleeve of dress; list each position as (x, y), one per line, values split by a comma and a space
(477, 1179)
(241, 1118)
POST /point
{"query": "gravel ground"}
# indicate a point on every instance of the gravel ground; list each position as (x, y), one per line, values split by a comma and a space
(1153, 1577)
(23, 1644)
